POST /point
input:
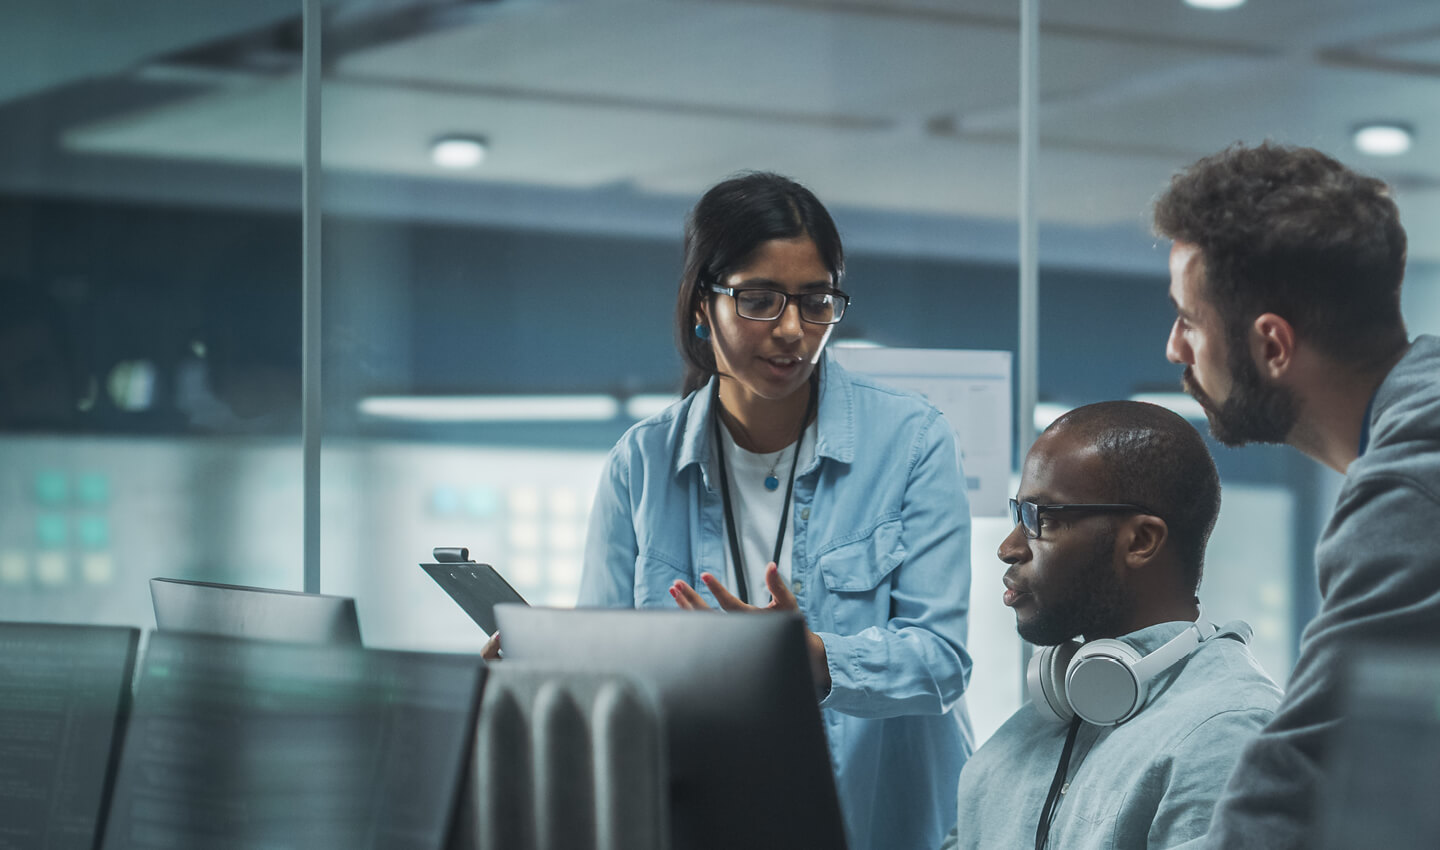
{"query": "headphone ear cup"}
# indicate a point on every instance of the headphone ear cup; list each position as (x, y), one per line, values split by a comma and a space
(1045, 680)
(1101, 684)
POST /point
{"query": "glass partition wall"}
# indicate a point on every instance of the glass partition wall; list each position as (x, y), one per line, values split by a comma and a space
(1178, 81)
(149, 307)
(506, 185)
(503, 188)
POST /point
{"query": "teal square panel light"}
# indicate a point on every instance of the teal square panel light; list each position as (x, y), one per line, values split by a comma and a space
(482, 501)
(444, 501)
(51, 531)
(52, 487)
(94, 532)
(92, 488)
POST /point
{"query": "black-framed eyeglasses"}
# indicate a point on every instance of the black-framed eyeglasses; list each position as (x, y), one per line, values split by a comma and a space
(1027, 514)
(761, 304)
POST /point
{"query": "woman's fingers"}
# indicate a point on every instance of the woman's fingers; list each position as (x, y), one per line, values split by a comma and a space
(688, 597)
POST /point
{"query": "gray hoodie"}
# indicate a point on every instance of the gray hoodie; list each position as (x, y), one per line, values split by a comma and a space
(1378, 563)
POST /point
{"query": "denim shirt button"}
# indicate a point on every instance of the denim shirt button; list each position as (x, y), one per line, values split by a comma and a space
(804, 513)
(798, 585)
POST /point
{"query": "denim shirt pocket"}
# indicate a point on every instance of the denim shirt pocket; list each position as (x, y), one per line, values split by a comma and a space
(855, 571)
(653, 576)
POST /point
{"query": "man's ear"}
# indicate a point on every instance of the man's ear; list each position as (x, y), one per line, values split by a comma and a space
(1143, 538)
(1272, 345)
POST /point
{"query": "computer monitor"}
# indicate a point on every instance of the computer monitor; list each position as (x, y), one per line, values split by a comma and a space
(749, 765)
(234, 610)
(64, 698)
(1382, 763)
(260, 744)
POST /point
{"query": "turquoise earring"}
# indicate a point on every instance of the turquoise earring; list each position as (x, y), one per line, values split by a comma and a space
(702, 332)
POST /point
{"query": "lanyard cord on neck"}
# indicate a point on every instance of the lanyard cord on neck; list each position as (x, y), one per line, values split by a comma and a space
(1047, 814)
(741, 586)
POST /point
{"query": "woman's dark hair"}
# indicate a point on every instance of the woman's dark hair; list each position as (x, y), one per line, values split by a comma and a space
(1292, 231)
(722, 234)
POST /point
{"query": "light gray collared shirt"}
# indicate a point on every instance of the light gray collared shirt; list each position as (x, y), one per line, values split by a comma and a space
(1150, 782)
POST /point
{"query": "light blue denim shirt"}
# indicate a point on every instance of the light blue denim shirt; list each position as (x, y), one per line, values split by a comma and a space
(881, 569)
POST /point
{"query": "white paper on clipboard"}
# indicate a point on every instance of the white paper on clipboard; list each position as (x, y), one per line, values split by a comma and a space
(973, 390)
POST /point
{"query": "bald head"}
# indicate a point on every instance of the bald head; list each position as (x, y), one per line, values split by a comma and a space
(1151, 457)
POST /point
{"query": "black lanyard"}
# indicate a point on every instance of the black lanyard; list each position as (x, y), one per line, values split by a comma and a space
(741, 588)
(1047, 814)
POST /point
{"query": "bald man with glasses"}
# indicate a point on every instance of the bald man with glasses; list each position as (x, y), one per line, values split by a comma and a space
(1139, 705)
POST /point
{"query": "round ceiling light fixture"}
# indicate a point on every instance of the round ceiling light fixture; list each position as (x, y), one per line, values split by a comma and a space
(1383, 138)
(1217, 5)
(458, 151)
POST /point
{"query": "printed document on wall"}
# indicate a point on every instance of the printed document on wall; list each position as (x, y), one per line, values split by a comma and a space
(972, 389)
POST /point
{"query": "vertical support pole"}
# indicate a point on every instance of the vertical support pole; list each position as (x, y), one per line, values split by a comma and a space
(1027, 366)
(310, 210)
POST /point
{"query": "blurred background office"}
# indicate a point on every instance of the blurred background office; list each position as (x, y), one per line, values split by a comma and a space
(504, 184)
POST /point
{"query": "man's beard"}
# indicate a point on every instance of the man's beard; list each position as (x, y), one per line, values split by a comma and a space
(1093, 602)
(1255, 411)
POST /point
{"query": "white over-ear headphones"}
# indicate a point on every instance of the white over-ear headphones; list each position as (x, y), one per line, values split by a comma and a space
(1106, 681)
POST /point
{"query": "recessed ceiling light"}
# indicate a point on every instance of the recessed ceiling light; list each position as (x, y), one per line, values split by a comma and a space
(1214, 4)
(458, 151)
(1382, 139)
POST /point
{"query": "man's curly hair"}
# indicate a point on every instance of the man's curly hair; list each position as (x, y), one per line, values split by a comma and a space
(1291, 231)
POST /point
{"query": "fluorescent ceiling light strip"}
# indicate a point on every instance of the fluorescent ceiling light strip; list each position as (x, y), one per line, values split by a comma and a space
(495, 408)
(645, 405)
(1383, 139)
(1178, 402)
(1215, 4)
(1047, 412)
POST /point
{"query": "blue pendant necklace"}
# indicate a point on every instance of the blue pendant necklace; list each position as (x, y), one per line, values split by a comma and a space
(740, 585)
(771, 482)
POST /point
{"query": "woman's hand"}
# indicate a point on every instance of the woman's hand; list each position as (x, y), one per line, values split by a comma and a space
(781, 599)
(491, 650)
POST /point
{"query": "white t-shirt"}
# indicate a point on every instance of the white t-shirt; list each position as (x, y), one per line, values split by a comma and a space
(757, 510)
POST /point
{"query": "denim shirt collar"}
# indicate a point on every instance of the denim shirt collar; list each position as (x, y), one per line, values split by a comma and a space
(835, 423)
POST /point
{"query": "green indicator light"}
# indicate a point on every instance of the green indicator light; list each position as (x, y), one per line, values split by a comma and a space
(51, 487)
(93, 488)
(51, 531)
(94, 532)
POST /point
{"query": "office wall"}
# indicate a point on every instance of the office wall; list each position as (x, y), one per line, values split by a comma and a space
(204, 481)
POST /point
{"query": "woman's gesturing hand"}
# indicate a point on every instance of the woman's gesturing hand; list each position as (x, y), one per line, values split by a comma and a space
(781, 599)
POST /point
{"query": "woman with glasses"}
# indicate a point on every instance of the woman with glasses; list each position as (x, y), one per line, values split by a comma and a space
(782, 482)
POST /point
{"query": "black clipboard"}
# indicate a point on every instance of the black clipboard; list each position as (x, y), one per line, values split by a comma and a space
(476, 588)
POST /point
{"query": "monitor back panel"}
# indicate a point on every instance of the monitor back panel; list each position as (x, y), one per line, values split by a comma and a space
(253, 612)
(259, 744)
(749, 764)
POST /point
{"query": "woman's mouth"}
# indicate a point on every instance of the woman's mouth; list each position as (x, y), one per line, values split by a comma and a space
(783, 365)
